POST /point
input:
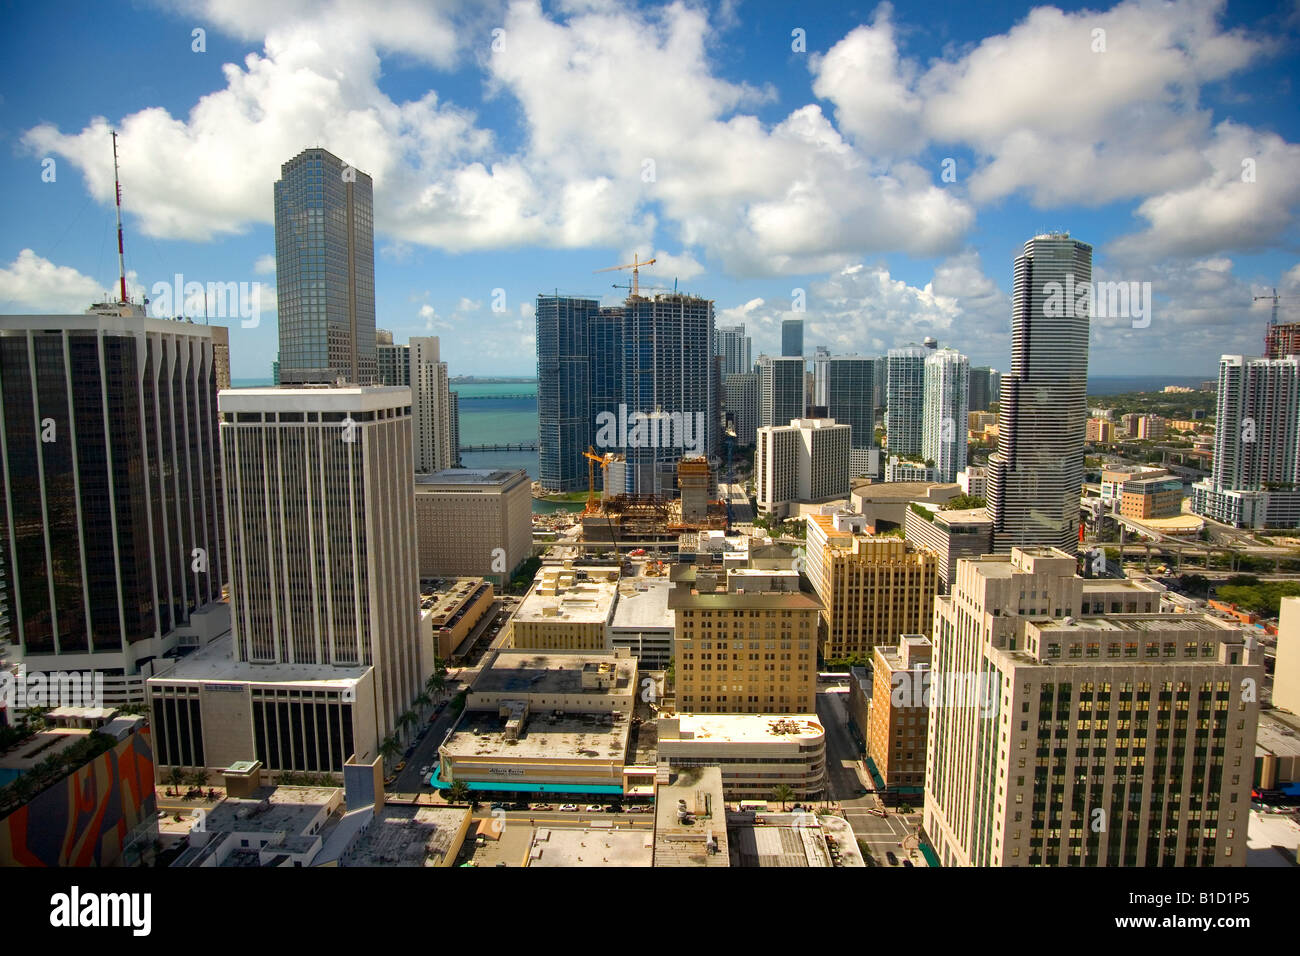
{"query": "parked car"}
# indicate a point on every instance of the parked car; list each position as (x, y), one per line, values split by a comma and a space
(401, 765)
(540, 807)
(614, 808)
(893, 860)
(569, 808)
(593, 808)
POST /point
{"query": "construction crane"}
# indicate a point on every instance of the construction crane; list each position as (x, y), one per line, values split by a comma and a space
(1272, 322)
(635, 265)
(1274, 297)
(592, 460)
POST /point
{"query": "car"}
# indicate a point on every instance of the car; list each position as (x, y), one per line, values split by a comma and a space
(540, 807)
(569, 808)
(614, 808)
(893, 860)
(907, 863)
(400, 766)
(593, 808)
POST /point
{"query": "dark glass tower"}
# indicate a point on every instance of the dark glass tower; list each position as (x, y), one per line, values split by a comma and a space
(325, 270)
(565, 422)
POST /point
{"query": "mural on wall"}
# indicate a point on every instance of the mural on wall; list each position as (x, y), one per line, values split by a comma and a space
(86, 819)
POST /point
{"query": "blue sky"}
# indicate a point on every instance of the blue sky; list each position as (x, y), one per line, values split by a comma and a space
(521, 160)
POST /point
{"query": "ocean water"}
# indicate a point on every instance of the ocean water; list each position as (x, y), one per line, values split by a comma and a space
(498, 413)
(1122, 384)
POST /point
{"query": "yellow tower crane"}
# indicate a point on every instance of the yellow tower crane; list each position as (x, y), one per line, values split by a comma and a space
(592, 460)
(635, 265)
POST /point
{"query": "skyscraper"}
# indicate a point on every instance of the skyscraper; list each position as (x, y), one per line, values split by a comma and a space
(394, 361)
(431, 405)
(564, 419)
(325, 270)
(780, 390)
(734, 346)
(1255, 478)
(943, 439)
(792, 338)
(1072, 724)
(806, 460)
(905, 398)
(740, 400)
(1036, 475)
(668, 370)
(321, 507)
(983, 391)
(111, 525)
(844, 387)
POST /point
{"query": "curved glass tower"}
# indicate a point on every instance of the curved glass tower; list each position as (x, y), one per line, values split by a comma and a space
(1036, 475)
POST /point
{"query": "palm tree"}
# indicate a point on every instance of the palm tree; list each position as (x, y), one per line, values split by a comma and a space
(389, 749)
(407, 720)
(423, 701)
(437, 683)
(176, 776)
(783, 793)
(458, 792)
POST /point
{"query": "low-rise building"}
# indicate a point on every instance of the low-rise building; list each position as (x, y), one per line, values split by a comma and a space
(1100, 430)
(755, 752)
(448, 615)
(973, 481)
(567, 609)
(951, 535)
(1155, 497)
(906, 469)
(690, 818)
(1114, 476)
(1286, 672)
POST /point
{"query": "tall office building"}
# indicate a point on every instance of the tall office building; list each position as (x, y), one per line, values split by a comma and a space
(1059, 737)
(879, 381)
(740, 401)
(321, 516)
(734, 346)
(669, 376)
(943, 436)
(605, 373)
(792, 338)
(475, 522)
(821, 357)
(1035, 477)
(872, 589)
(1255, 477)
(111, 526)
(983, 390)
(780, 390)
(564, 419)
(454, 425)
(394, 361)
(1282, 340)
(905, 399)
(844, 388)
(325, 270)
(804, 461)
(431, 405)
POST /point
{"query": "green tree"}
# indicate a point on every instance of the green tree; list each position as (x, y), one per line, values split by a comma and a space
(965, 502)
(389, 748)
(784, 793)
(458, 792)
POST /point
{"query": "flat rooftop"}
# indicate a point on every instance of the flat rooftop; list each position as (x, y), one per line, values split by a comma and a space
(744, 728)
(965, 516)
(900, 490)
(530, 672)
(590, 846)
(27, 754)
(587, 599)
(1122, 584)
(573, 737)
(1198, 623)
(444, 604)
(216, 662)
(691, 820)
(406, 836)
(469, 476)
(288, 810)
(642, 603)
(1277, 736)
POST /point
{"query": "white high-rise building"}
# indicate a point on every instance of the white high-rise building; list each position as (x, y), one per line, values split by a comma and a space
(731, 342)
(943, 439)
(1069, 727)
(431, 404)
(1035, 477)
(740, 401)
(321, 529)
(805, 461)
(905, 400)
(1255, 478)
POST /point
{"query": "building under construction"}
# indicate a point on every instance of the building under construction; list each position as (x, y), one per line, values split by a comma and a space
(647, 518)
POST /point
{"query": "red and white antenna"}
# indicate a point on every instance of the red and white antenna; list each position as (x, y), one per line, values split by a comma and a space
(121, 255)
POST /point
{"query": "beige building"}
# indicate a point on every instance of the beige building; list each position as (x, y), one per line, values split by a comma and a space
(805, 461)
(899, 713)
(871, 589)
(1062, 740)
(1100, 430)
(448, 615)
(746, 642)
(690, 819)
(756, 752)
(567, 609)
(1153, 497)
(1286, 673)
(558, 721)
(473, 522)
(951, 535)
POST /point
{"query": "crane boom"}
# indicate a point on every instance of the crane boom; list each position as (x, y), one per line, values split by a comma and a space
(635, 265)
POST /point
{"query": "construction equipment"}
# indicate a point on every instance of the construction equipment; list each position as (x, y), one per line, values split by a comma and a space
(635, 265)
(592, 460)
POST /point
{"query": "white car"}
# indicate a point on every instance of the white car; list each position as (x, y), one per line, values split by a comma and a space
(594, 808)
(569, 808)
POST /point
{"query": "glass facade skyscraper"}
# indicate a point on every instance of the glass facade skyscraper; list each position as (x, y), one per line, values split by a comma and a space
(792, 338)
(325, 270)
(565, 423)
(905, 398)
(1036, 475)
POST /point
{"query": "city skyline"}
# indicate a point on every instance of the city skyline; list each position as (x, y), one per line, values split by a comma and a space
(449, 265)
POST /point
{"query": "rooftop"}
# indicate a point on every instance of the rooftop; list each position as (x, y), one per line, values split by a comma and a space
(590, 846)
(470, 476)
(445, 604)
(216, 662)
(1200, 623)
(569, 595)
(751, 728)
(643, 602)
(532, 672)
(902, 490)
(691, 820)
(574, 737)
(289, 810)
(406, 836)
